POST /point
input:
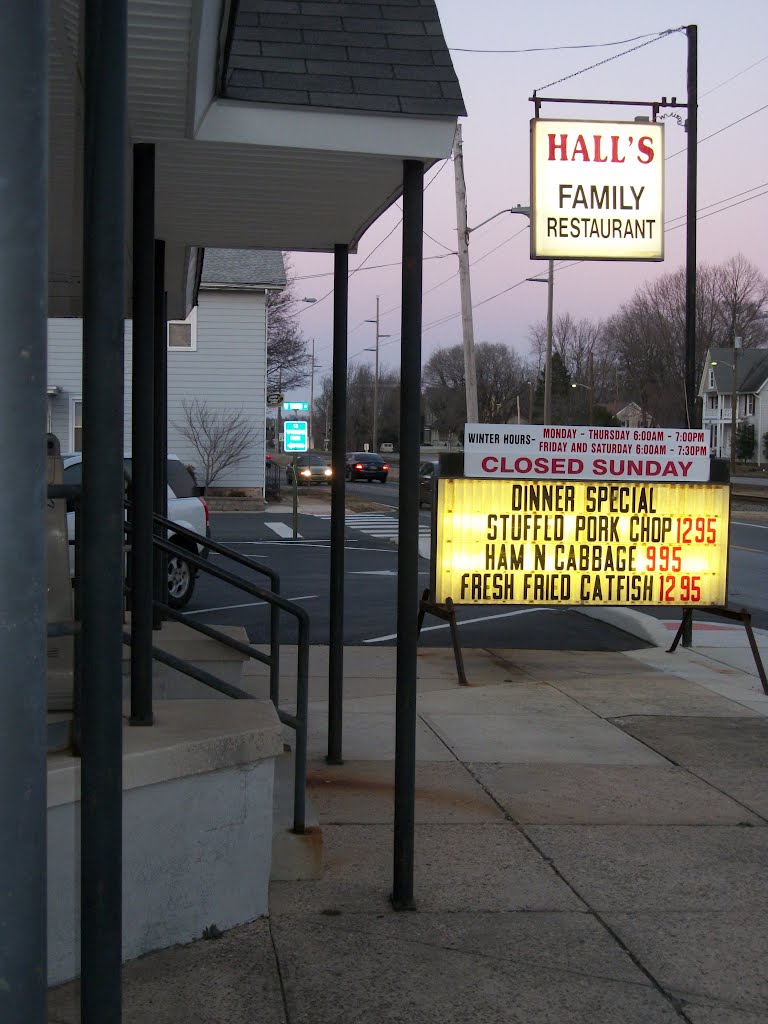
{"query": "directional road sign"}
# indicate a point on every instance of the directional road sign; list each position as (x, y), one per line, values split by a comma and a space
(296, 435)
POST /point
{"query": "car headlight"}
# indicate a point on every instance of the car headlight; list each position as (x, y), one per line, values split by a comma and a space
(306, 472)
(329, 472)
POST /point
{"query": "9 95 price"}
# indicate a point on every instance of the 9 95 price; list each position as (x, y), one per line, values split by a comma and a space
(663, 558)
(686, 589)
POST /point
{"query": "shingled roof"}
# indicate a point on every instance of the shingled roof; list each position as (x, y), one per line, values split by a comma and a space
(752, 369)
(387, 56)
(242, 268)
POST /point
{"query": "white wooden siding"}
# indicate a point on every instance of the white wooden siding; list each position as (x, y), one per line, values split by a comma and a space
(228, 371)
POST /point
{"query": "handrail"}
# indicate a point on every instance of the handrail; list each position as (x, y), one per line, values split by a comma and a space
(297, 722)
(300, 720)
(248, 563)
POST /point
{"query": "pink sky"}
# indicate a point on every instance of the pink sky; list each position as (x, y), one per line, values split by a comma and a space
(733, 165)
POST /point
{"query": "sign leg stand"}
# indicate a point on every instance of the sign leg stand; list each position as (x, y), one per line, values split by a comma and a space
(742, 616)
(446, 612)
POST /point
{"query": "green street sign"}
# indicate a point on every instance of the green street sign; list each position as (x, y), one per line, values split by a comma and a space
(296, 436)
(295, 406)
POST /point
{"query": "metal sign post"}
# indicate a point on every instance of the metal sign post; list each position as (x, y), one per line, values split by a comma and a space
(296, 440)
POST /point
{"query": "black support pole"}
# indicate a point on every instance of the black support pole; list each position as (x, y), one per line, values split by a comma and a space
(692, 412)
(408, 535)
(160, 448)
(104, 162)
(339, 439)
(690, 228)
(23, 342)
(142, 427)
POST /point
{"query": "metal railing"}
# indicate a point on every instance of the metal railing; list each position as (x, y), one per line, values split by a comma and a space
(272, 597)
(297, 722)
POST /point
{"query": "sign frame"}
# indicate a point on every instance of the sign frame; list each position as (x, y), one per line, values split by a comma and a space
(596, 151)
(719, 568)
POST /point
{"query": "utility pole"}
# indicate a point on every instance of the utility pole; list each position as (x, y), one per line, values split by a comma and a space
(376, 384)
(470, 372)
(312, 401)
(734, 402)
(548, 358)
(691, 127)
(591, 384)
(375, 431)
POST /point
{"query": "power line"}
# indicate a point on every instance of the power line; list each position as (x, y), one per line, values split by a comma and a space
(438, 242)
(615, 56)
(737, 75)
(551, 49)
(719, 130)
(384, 239)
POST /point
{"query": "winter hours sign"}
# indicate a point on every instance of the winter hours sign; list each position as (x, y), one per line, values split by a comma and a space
(597, 190)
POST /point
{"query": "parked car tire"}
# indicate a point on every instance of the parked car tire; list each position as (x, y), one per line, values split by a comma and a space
(181, 580)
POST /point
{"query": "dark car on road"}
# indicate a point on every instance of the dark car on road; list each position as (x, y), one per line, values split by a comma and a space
(310, 469)
(366, 466)
(429, 470)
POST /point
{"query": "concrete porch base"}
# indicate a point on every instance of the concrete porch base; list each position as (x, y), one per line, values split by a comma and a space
(197, 828)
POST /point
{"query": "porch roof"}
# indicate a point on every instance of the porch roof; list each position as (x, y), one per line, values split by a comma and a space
(234, 171)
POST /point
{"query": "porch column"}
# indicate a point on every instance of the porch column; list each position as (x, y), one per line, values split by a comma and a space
(23, 588)
(142, 425)
(104, 160)
(160, 413)
(408, 534)
(338, 451)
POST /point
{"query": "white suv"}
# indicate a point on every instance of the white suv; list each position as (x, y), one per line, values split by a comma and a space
(184, 508)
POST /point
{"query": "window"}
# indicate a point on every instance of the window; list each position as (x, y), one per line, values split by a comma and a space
(182, 334)
(711, 378)
(713, 401)
(77, 425)
(713, 437)
(749, 405)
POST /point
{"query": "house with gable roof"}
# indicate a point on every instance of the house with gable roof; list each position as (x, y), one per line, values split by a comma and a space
(717, 389)
(217, 355)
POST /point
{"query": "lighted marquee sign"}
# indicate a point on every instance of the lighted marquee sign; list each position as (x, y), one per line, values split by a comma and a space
(508, 451)
(549, 542)
(597, 190)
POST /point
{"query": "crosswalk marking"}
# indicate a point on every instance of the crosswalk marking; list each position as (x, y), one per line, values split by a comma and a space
(282, 529)
(377, 524)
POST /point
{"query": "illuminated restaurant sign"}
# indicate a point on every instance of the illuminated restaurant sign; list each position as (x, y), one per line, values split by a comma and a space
(597, 190)
(508, 451)
(502, 541)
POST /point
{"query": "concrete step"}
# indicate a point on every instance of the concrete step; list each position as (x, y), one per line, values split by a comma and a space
(211, 655)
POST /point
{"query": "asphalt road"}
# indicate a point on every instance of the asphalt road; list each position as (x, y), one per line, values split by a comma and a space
(371, 582)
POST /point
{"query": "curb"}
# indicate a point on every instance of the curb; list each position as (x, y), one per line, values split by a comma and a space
(639, 624)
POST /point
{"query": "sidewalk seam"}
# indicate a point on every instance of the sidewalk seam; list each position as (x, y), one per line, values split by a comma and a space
(279, 969)
(672, 1000)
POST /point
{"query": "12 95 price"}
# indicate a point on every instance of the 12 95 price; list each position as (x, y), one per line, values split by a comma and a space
(696, 530)
(680, 588)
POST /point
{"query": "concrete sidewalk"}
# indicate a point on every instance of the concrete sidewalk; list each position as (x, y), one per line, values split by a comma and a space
(591, 848)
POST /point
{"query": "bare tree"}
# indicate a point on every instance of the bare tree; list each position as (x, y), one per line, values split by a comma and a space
(501, 378)
(288, 362)
(644, 341)
(221, 437)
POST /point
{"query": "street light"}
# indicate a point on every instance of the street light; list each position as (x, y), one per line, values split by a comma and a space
(549, 280)
(376, 377)
(587, 387)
